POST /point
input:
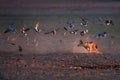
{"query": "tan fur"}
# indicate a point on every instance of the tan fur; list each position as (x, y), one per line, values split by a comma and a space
(37, 27)
(90, 46)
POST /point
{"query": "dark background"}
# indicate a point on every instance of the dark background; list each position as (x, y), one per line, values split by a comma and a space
(57, 0)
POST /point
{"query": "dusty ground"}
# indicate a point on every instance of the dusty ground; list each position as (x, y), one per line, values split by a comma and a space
(48, 57)
(44, 43)
(59, 66)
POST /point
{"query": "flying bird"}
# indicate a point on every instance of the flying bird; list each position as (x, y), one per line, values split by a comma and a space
(82, 33)
(70, 31)
(70, 25)
(108, 22)
(37, 29)
(10, 29)
(74, 32)
(84, 22)
(24, 30)
(54, 32)
(102, 34)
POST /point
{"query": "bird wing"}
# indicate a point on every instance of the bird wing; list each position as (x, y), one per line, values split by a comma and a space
(7, 30)
(27, 29)
(65, 28)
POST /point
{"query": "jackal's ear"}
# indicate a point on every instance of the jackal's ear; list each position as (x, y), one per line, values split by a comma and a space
(81, 40)
(91, 42)
(96, 46)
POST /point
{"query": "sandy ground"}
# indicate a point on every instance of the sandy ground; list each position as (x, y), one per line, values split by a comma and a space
(48, 43)
(48, 57)
(58, 66)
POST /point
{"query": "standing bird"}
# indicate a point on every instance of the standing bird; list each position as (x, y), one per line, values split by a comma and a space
(10, 29)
